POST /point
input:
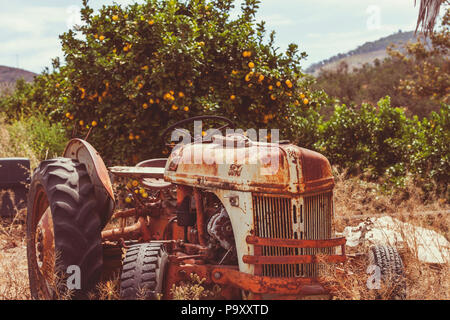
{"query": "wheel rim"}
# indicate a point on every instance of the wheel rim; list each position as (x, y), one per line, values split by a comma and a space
(43, 245)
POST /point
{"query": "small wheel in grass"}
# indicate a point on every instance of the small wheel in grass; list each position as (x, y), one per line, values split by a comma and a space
(389, 267)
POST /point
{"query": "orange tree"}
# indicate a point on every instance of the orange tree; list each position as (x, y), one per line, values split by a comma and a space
(132, 71)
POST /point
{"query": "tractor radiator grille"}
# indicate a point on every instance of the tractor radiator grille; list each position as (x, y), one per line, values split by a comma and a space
(318, 211)
(273, 219)
(276, 217)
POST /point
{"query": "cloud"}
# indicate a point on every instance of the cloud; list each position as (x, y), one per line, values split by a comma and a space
(33, 20)
(322, 28)
(276, 20)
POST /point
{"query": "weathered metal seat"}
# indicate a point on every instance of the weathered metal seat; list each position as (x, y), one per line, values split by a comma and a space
(154, 183)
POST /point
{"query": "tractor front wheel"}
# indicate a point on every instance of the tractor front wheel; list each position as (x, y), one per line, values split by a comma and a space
(143, 272)
(63, 231)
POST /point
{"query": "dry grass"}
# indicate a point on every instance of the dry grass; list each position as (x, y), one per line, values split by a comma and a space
(107, 290)
(13, 260)
(355, 197)
(194, 289)
(423, 281)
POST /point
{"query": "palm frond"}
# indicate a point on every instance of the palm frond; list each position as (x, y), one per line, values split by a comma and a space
(428, 12)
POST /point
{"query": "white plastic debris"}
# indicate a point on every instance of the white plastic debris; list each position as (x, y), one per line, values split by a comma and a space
(428, 245)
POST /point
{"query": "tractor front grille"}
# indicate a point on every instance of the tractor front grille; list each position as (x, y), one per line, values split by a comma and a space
(273, 219)
(276, 217)
(318, 211)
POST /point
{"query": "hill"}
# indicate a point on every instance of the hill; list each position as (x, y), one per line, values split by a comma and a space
(366, 53)
(9, 74)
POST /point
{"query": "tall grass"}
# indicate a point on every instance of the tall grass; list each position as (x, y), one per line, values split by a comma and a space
(34, 137)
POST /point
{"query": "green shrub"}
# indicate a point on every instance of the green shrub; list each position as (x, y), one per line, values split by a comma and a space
(45, 138)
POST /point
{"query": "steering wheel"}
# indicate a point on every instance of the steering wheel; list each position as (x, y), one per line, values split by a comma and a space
(229, 124)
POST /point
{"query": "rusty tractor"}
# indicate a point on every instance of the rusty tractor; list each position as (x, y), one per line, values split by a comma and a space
(253, 234)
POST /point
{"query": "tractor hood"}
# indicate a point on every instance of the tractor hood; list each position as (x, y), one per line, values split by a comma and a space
(237, 163)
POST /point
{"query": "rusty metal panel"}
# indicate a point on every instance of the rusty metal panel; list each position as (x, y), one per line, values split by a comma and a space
(138, 172)
(85, 153)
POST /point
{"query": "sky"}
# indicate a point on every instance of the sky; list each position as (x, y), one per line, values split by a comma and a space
(29, 30)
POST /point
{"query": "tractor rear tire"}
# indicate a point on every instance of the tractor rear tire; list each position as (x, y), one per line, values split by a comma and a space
(64, 186)
(391, 268)
(143, 272)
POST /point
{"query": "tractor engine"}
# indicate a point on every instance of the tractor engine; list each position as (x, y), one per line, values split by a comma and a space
(220, 231)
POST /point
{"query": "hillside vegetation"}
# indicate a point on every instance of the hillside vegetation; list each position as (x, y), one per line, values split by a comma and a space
(415, 76)
(366, 53)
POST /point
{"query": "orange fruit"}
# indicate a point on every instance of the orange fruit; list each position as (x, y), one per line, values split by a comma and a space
(232, 97)
(94, 123)
(305, 101)
(115, 17)
(151, 22)
(186, 108)
(251, 65)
